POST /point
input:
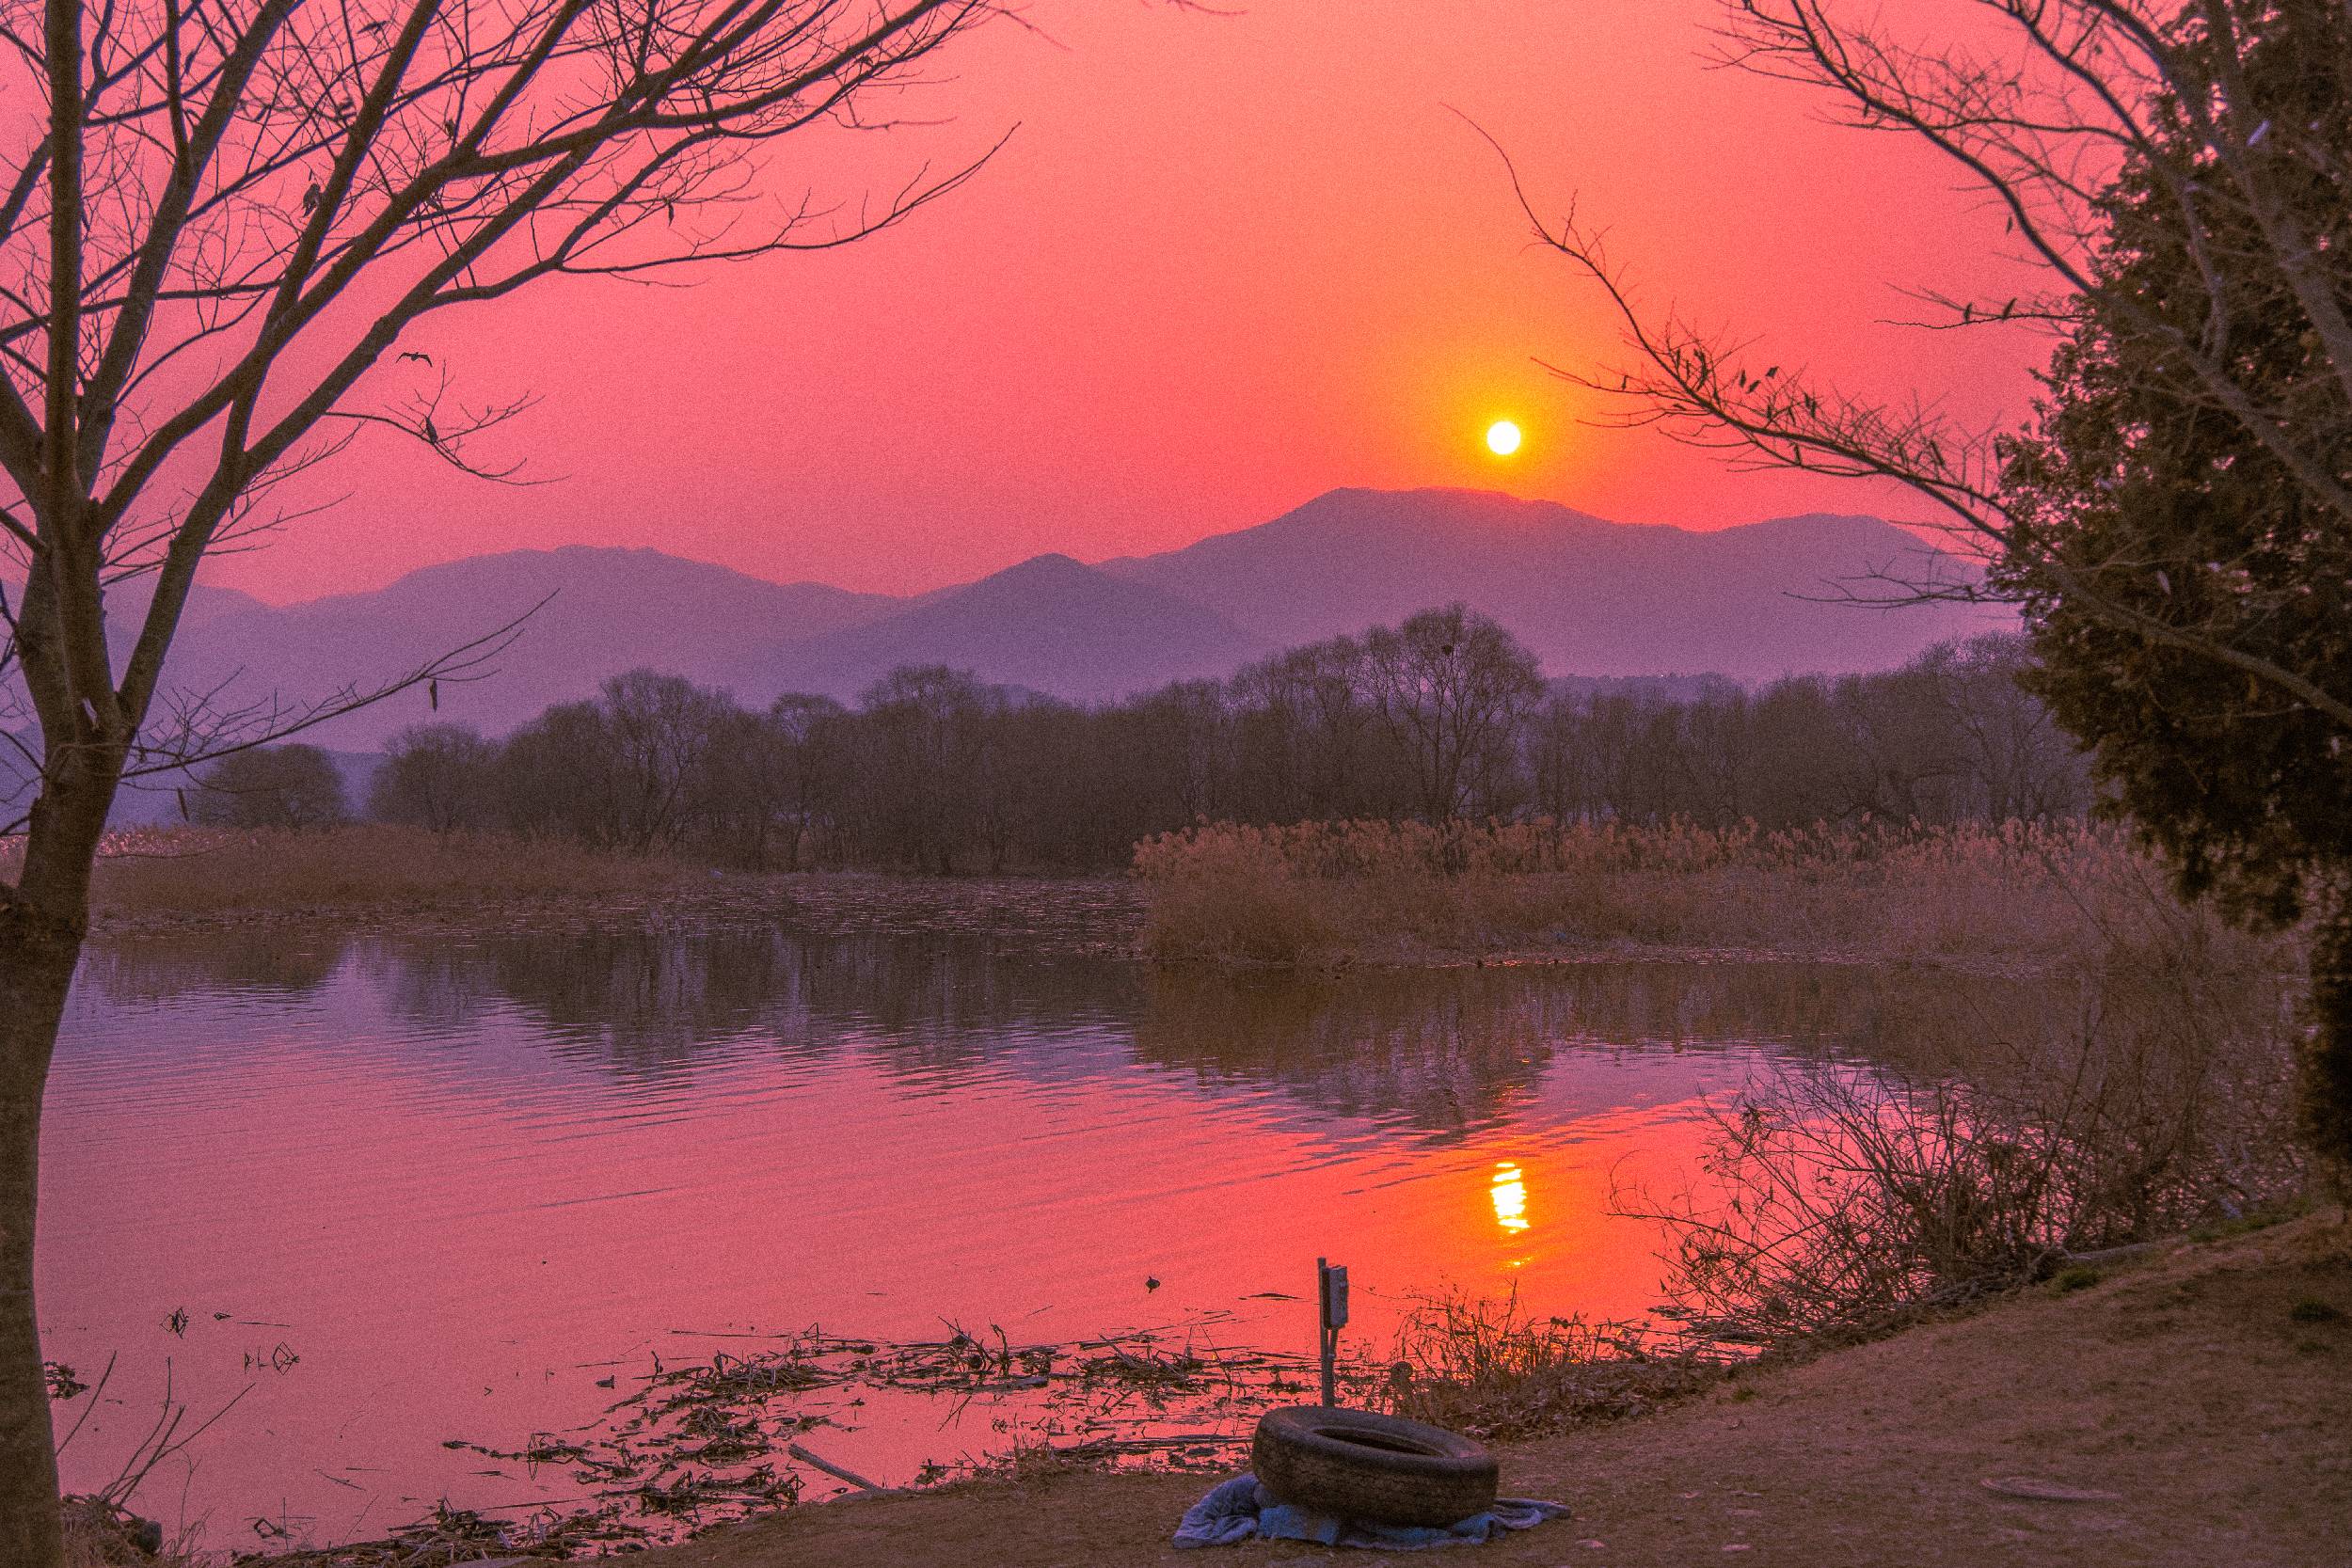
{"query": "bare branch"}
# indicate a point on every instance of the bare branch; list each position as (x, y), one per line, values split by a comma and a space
(2086, 89)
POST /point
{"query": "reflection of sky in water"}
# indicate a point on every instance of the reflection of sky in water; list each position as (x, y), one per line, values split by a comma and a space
(464, 1179)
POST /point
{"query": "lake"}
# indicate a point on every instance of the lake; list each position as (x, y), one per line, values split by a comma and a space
(408, 1190)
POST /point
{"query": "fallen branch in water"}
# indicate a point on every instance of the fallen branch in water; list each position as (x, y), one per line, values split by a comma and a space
(819, 1463)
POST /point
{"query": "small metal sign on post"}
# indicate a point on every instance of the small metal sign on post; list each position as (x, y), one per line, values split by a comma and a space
(1331, 1313)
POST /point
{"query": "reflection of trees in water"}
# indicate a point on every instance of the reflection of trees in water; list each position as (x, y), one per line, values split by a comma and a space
(442, 988)
(923, 1005)
(643, 1003)
(1447, 1051)
(649, 1004)
(1451, 1050)
(284, 963)
(1881, 1013)
(1914, 1021)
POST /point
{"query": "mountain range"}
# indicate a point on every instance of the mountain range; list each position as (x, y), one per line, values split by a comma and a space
(1588, 596)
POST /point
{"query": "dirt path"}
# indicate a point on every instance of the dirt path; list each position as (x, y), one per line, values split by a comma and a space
(2206, 1390)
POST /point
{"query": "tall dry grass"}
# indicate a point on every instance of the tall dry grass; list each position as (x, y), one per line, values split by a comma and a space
(2014, 896)
(99, 1533)
(196, 871)
(1487, 1367)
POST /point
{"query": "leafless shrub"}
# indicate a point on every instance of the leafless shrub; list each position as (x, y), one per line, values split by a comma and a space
(1482, 1366)
(1845, 1199)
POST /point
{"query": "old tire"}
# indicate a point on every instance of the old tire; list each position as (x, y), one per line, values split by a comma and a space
(1376, 1468)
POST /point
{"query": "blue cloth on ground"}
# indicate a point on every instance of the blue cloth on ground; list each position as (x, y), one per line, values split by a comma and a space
(1240, 1509)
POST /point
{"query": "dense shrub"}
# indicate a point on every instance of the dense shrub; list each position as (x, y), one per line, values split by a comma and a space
(270, 787)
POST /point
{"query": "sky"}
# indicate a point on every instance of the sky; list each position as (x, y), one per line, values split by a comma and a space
(1223, 263)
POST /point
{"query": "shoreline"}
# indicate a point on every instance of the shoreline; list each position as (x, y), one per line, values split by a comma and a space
(2125, 1397)
(2086, 1417)
(1097, 917)
(2010, 906)
(1050, 920)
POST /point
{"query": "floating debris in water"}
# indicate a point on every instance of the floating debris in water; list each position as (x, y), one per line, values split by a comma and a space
(697, 1444)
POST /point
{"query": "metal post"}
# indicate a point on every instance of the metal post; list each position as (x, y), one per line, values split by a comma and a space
(1330, 1316)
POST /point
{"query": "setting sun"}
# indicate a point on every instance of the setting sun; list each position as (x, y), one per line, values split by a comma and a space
(1503, 438)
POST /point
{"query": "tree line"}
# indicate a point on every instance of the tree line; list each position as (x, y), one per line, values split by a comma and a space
(1444, 716)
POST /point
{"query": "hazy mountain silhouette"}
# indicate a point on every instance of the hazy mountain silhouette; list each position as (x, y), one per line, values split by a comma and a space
(1591, 598)
(613, 609)
(1588, 596)
(127, 602)
(1048, 625)
(126, 608)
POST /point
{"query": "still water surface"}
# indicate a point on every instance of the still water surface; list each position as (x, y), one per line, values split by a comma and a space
(412, 1190)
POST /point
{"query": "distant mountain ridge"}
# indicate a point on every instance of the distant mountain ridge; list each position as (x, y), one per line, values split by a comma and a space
(1048, 625)
(1591, 598)
(591, 612)
(1588, 596)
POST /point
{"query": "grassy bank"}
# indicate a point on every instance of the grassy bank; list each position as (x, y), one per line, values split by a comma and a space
(201, 871)
(2018, 897)
(167, 881)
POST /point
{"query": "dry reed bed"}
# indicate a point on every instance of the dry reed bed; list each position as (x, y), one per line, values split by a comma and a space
(162, 875)
(161, 880)
(196, 870)
(2017, 897)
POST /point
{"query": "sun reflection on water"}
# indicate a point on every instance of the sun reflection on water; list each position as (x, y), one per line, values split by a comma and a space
(1508, 1193)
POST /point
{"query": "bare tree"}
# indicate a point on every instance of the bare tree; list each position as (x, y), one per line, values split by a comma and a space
(437, 776)
(218, 219)
(807, 730)
(1304, 729)
(923, 727)
(2041, 116)
(1452, 686)
(662, 732)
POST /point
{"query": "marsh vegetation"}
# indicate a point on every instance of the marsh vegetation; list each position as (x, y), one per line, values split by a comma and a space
(1985, 897)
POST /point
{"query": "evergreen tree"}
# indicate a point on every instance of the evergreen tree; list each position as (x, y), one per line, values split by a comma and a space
(2165, 511)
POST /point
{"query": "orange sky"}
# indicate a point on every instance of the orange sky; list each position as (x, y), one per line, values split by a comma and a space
(1225, 263)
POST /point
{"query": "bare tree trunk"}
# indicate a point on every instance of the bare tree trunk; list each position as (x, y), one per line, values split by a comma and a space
(42, 923)
(2325, 1085)
(34, 968)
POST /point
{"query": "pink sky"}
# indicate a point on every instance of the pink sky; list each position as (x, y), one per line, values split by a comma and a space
(1225, 263)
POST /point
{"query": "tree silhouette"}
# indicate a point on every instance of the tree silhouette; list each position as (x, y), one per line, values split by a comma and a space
(221, 218)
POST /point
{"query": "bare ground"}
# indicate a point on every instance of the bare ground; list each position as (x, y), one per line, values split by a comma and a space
(2204, 1392)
